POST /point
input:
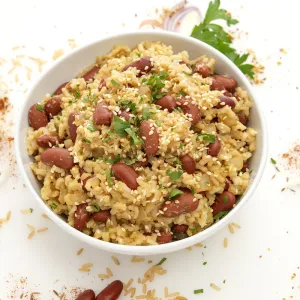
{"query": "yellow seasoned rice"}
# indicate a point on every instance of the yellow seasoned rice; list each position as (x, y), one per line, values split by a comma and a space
(136, 217)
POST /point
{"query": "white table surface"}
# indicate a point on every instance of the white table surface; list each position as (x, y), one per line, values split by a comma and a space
(261, 257)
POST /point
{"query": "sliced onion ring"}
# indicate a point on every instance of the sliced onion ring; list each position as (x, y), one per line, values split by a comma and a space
(154, 23)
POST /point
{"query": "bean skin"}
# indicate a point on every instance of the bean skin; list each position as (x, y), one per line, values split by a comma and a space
(112, 291)
(139, 164)
(180, 228)
(164, 238)
(221, 83)
(188, 164)
(214, 148)
(72, 126)
(124, 114)
(102, 115)
(58, 91)
(225, 101)
(86, 295)
(228, 181)
(81, 217)
(84, 181)
(183, 204)
(59, 157)
(167, 102)
(127, 174)
(245, 167)
(177, 236)
(191, 109)
(101, 216)
(151, 141)
(224, 202)
(143, 65)
(53, 107)
(47, 141)
(37, 119)
(91, 73)
(102, 84)
(202, 69)
(242, 118)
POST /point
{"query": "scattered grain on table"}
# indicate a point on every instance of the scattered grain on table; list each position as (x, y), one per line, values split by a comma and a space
(137, 259)
(42, 229)
(79, 251)
(215, 287)
(225, 242)
(115, 260)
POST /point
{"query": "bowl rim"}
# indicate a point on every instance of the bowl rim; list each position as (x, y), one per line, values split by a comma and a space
(151, 249)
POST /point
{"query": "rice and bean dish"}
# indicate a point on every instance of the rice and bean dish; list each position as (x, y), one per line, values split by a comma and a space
(146, 147)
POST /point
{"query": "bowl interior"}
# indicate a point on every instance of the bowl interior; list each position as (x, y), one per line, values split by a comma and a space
(67, 68)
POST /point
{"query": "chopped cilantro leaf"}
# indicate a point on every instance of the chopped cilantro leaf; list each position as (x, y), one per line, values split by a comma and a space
(77, 92)
(31, 210)
(114, 160)
(188, 74)
(193, 190)
(91, 127)
(220, 214)
(130, 162)
(273, 161)
(181, 145)
(158, 122)
(225, 199)
(110, 136)
(147, 114)
(209, 138)
(39, 107)
(204, 263)
(182, 93)
(115, 83)
(58, 117)
(120, 126)
(96, 207)
(174, 175)
(53, 205)
(86, 140)
(175, 193)
(124, 104)
(134, 137)
(86, 99)
(95, 99)
(137, 54)
(200, 291)
(160, 187)
(156, 83)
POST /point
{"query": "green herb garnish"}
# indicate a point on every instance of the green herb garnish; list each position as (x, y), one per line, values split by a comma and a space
(86, 140)
(137, 54)
(91, 127)
(188, 74)
(58, 117)
(175, 193)
(273, 161)
(77, 92)
(225, 199)
(135, 139)
(158, 122)
(161, 261)
(156, 83)
(147, 114)
(39, 107)
(123, 128)
(130, 162)
(193, 191)
(218, 38)
(220, 214)
(53, 205)
(96, 207)
(95, 99)
(182, 93)
(31, 210)
(114, 160)
(209, 138)
(115, 83)
(86, 99)
(160, 187)
(174, 175)
(200, 291)
(110, 136)
(204, 263)
(124, 104)
(108, 176)
(181, 145)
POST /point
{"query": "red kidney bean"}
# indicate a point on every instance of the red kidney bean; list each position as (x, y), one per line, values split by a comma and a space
(228, 181)
(112, 291)
(188, 164)
(102, 115)
(101, 216)
(242, 118)
(224, 202)
(143, 164)
(84, 181)
(52, 107)
(214, 148)
(72, 126)
(58, 91)
(227, 94)
(59, 157)
(183, 204)
(221, 83)
(102, 84)
(225, 101)
(180, 228)
(127, 174)
(143, 65)
(167, 102)
(124, 114)
(91, 73)
(181, 62)
(81, 217)
(37, 118)
(164, 238)
(245, 166)
(191, 109)
(150, 137)
(202, 69)
(47, 141)
(86, 295)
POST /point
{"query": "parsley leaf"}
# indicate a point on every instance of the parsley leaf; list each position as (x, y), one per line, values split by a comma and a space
(220, 215)
(114, 160)
(200, 291)
(156, 83)
(161, 261)
(110, 136)
(96, 207)
(174, 175)
(175, 193)
(134, 137)
(39, 107)
(158, 122)
(115, 83)
(225, 199)
(218, 38)
(273, 161)
(91, 127)
(77, 92)
(147, 114)
(108, 176)
(86, 140)
(209, 138)
(124, 104)
(130, 162)
(182, 93)
(53, 205)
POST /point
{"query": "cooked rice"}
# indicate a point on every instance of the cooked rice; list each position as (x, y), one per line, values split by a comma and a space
(136, 217)
(79, 251)
(230, 228)
(42, 229)
(31, 234)
(32, 228)
(116, 261)
(215, 287)
(136, 259)
(109, 272)
(236, 225)
(225, 243)
(103, 276)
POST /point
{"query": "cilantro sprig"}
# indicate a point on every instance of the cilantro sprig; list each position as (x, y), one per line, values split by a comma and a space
(156, 83)
(218, 38)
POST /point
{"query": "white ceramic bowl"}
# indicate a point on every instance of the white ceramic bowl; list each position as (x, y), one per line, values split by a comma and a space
(67, 68)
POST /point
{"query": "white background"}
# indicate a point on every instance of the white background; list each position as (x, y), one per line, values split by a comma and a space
(270, 220)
